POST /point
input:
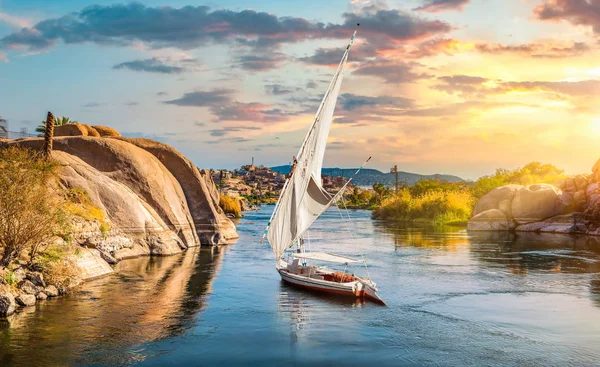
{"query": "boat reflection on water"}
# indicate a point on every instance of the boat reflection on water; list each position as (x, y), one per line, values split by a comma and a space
(147, 299)
(303, 307)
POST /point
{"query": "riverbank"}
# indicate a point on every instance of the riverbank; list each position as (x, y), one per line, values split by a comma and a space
(92, 200)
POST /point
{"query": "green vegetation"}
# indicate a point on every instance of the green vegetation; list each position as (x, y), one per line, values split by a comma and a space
(9, 277)
(41, 129)
(34, 210)
(230, 205)
(29, 213)
(80, 205)
(437, 207)
(440, 202)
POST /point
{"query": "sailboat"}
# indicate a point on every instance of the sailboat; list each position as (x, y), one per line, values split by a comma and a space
(302, 201)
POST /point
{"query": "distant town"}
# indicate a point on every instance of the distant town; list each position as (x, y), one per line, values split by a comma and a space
(262, 185)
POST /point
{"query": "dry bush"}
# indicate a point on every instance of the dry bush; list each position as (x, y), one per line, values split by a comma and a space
(30, 213)
(230, 205)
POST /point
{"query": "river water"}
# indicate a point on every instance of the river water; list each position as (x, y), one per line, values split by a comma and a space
(453, 300)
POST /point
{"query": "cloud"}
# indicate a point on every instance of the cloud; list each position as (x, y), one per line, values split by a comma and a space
(462, 108)
(435, 47)
(539, 50)
(577, 12)
(190, 27)
(210, 98)
(132, 103)
(222, 105)
(438, 6)
(311, 84)
(14, 21)
(92, 105)
(353, 108)
(231, 129)
(333, 56)
(579, 88)
(153, 65)
(261, 62)
(390, 71)
(469, 86)
(277, 89)
(350, 102)
(463, 85)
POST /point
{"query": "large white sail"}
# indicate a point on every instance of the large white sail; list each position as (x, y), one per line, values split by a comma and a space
(303, 199)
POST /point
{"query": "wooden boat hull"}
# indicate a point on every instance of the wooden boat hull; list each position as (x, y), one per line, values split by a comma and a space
(353, 289)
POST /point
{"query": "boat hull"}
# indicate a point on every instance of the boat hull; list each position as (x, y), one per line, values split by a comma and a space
(353, 289)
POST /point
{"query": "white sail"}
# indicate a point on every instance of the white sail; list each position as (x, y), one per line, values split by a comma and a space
(303, 199)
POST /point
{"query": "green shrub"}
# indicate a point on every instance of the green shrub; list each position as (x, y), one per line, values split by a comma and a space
(436, 207)
(9, 277)
(230, 205)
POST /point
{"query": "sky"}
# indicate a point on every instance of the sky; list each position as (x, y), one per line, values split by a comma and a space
(434, 86)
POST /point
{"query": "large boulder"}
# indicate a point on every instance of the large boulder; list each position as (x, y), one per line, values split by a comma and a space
(75, 129)
(51, 291)
(26, 299)
(490, 220)
(499, 198)
(202, 197)
(28, 287)
(36, 278)
(7, 301)
(106, 131)
(537, 202)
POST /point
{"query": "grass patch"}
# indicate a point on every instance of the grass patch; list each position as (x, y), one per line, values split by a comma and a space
(80, 205)
(230, 205)
(435, 207)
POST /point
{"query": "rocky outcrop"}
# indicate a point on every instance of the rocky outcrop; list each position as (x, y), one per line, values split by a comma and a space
(156, 201)
(106, 131)
(25, 300)
(8, 305)
(200, 192)
(534, 203)
(75, 130)
(490, 220)
(499, 198)
(571, 205)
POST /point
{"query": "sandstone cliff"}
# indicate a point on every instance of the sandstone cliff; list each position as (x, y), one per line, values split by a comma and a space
(154, 199)
(571, 205)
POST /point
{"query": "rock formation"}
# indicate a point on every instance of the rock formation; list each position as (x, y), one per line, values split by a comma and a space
(154, 199)
(571, 205)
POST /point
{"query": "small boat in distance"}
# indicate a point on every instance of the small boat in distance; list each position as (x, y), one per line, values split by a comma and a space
(302, 201)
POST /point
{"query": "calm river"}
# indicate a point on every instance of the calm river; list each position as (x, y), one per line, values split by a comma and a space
(453, 299)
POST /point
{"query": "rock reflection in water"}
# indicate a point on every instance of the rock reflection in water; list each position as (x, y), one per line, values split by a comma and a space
(518, 252)
(522, 252)
(102, 321)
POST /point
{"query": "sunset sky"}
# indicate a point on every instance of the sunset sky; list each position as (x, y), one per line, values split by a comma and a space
(434, 86)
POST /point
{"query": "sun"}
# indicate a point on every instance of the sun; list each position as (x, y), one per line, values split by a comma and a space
(595, 126)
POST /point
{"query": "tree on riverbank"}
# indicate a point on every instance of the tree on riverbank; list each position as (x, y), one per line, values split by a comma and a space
(29, 213)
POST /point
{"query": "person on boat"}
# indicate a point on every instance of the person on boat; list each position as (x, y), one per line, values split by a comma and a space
(293, 167)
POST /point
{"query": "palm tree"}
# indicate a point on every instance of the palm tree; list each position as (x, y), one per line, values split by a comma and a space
(41, 129)
(48, 134)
